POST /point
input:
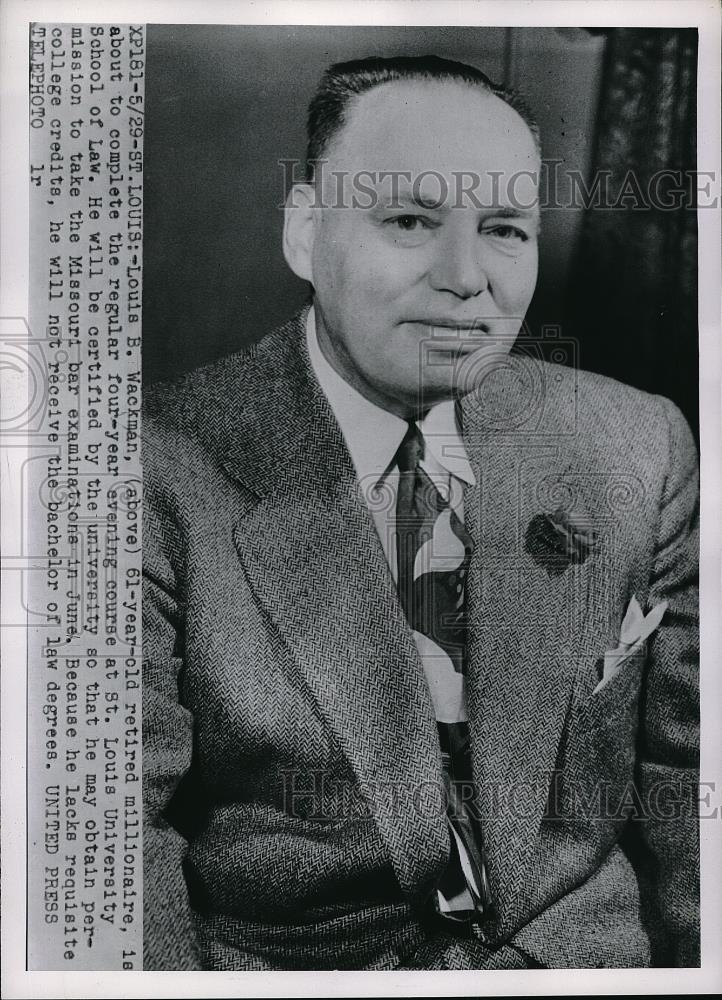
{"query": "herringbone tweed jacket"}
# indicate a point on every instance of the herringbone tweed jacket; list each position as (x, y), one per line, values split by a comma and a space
(291, 759)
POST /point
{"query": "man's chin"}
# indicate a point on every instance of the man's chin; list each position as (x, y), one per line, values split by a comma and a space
(434, 391)
(460, 372)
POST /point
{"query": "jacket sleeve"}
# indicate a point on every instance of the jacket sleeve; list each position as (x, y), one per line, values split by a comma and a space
(169, 937)
(668, 759)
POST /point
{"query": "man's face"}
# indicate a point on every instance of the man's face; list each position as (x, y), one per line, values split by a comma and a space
(412, 297)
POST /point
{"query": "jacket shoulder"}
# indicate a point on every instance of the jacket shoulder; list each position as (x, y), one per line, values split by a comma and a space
(206, 404)
(645, 433)
(601, 420)
(177, 404)
(611, 411)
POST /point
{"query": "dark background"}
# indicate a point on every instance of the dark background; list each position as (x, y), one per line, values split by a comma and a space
(226, 103)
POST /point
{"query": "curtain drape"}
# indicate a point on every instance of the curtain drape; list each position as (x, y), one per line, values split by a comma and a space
(633, 296)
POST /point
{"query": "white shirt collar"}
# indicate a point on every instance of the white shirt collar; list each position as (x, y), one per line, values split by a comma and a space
(373, 435)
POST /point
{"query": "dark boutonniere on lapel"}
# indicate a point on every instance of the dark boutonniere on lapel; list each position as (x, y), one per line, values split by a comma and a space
(556, 541)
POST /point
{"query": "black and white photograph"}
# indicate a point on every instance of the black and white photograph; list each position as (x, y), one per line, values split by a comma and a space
(420, 615)
(376, 364)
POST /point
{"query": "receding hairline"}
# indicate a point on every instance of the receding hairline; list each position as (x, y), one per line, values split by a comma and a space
(424, 83)
(343, 81)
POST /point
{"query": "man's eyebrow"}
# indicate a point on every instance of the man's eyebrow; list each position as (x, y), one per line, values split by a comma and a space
(433, 205)
(510, 212)
(412, 201)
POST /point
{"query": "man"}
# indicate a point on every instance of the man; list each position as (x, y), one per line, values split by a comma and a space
(420, 684)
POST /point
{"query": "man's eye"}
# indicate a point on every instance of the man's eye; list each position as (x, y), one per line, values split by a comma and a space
(507, 233)
(408, 223)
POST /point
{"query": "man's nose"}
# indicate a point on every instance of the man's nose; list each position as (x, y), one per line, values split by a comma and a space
(459, 266)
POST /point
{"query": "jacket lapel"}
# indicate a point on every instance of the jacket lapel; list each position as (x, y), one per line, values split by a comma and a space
(311, 554)
(523, 620)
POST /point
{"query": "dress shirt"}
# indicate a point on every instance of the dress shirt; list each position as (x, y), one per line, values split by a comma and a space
(373, 436)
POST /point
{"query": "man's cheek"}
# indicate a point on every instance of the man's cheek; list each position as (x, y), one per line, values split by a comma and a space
(390, 274)
(366, 285)
(514, 291)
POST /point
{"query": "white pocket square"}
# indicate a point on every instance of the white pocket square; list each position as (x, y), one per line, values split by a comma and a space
(636, 629)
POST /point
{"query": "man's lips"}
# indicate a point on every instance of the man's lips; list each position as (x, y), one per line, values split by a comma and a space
(454, 326)
(454, 338)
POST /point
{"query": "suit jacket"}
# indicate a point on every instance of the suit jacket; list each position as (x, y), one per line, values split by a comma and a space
(291, 757)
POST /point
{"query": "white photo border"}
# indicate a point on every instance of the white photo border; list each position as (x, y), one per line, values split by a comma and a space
(15, 16)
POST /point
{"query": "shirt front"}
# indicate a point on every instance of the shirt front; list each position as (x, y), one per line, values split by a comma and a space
(373, 436)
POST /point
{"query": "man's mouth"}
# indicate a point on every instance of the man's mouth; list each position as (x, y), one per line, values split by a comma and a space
(450, 340)
(449, 327)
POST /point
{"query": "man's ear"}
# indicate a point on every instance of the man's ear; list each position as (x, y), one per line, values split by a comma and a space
(298, 230)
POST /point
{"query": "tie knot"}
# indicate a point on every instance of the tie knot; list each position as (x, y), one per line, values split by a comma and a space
(411, 449)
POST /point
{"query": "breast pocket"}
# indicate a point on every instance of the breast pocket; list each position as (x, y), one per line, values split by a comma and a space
(617, 697)
(597, 765)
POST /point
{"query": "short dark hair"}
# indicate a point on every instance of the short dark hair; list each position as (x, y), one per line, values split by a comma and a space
(345, 80)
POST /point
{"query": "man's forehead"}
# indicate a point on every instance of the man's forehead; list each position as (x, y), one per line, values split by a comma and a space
(432, 125)
(414, 133)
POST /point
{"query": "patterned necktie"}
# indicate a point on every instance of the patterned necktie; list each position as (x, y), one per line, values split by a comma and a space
(434, 550)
